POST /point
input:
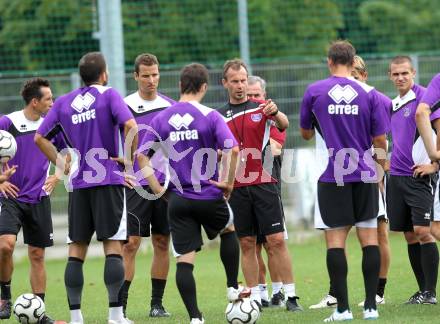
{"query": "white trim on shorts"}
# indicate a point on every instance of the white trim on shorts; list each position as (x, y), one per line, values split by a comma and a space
(121, 234)
(436, 207)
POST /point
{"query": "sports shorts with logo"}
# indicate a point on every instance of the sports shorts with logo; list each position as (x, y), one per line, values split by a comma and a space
(100, 209)
(257, 210)
(188, 216)
(409, 201)
(347, 205)
(34, 218)
(143, 213)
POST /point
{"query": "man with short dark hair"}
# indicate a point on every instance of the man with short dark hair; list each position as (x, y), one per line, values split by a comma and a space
(189, 134)
(24, 198)
(350, 117)
(142, 213)
(91, 117)
(410, 193)
(255, 200)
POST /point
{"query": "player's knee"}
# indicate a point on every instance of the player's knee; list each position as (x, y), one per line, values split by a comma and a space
(275, 242)
(161, 243)
(248, 244)
(382, 237)
(132, 245)
(36, 255)
(6, 247)
(423, 234)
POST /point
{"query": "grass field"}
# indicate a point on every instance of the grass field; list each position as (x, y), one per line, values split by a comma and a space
(311, 280)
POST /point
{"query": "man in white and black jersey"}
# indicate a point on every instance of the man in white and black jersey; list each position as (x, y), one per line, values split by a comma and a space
(147, 217)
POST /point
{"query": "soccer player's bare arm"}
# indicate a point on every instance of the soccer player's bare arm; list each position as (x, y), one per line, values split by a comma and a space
(307, 134)
(380, 153)
(424, 127)
(148, 173)
(229, 160)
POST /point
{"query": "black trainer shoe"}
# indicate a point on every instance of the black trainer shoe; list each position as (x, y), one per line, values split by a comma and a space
(429, 298)
(417, 298)
(292, 304)
(158, 311)
(277, 300)
(264, 303)
(5, 309)
(46, 320)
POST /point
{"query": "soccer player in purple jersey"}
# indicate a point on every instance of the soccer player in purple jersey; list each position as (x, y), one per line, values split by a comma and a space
(142, 213)
(360, 73)
(430, 104)
(349, 116)
(190, 134)
(410, 190)
(25, 197)
(91, 117)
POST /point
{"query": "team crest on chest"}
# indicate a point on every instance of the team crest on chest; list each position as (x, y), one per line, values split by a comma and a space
(406, 111)
(256, 117)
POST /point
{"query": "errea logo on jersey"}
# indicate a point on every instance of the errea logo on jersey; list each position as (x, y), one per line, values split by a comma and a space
(81, 103)
(340, 94)
(179, 122)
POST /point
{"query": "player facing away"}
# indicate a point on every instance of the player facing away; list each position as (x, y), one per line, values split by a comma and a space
(255, 200)
(349, 117)
(360, 73)
(257, 91)
(91, 117)
(142, 213)
(410, 189)
(430, 104)
(24, 198)
(189, 134)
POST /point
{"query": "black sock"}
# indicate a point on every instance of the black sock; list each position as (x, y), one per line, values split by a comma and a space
(370, 270)
(416, 264)
(187, 288)
(113, 278)
(158, 287)
(331, 290)
(74, 282)
(5, 287)
(337, 270)
(429, 260)
(42, 295)
(123, 294)
(230, 256)
(381, 286)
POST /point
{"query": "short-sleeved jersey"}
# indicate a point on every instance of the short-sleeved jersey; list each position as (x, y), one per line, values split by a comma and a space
(431, 96)
(348, 114)
(90, 118)
(189, 135)
(408, 148)
(33, 166)
(251, 128)
(144, 111)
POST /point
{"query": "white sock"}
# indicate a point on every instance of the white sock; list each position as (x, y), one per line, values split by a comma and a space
(76, 316)
(115, 313)
(255, 294)
(289, 290)
(276, 287)
(264, 294)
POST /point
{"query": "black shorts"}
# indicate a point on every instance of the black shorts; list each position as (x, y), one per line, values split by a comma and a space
(35, 219)
(261, 239)
(257, 210)
(349, 204)
(187, 216)
(143, 213)
(409, 202)
(99, 209)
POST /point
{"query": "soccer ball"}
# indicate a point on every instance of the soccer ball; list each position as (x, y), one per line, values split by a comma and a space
(242, 311)
(28, 309)
(8, 146)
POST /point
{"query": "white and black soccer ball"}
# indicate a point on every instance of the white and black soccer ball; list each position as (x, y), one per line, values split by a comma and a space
(28, 309)
(8, 146)
(242, 311)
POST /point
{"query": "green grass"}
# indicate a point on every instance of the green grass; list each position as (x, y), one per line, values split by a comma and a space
(311, 280)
